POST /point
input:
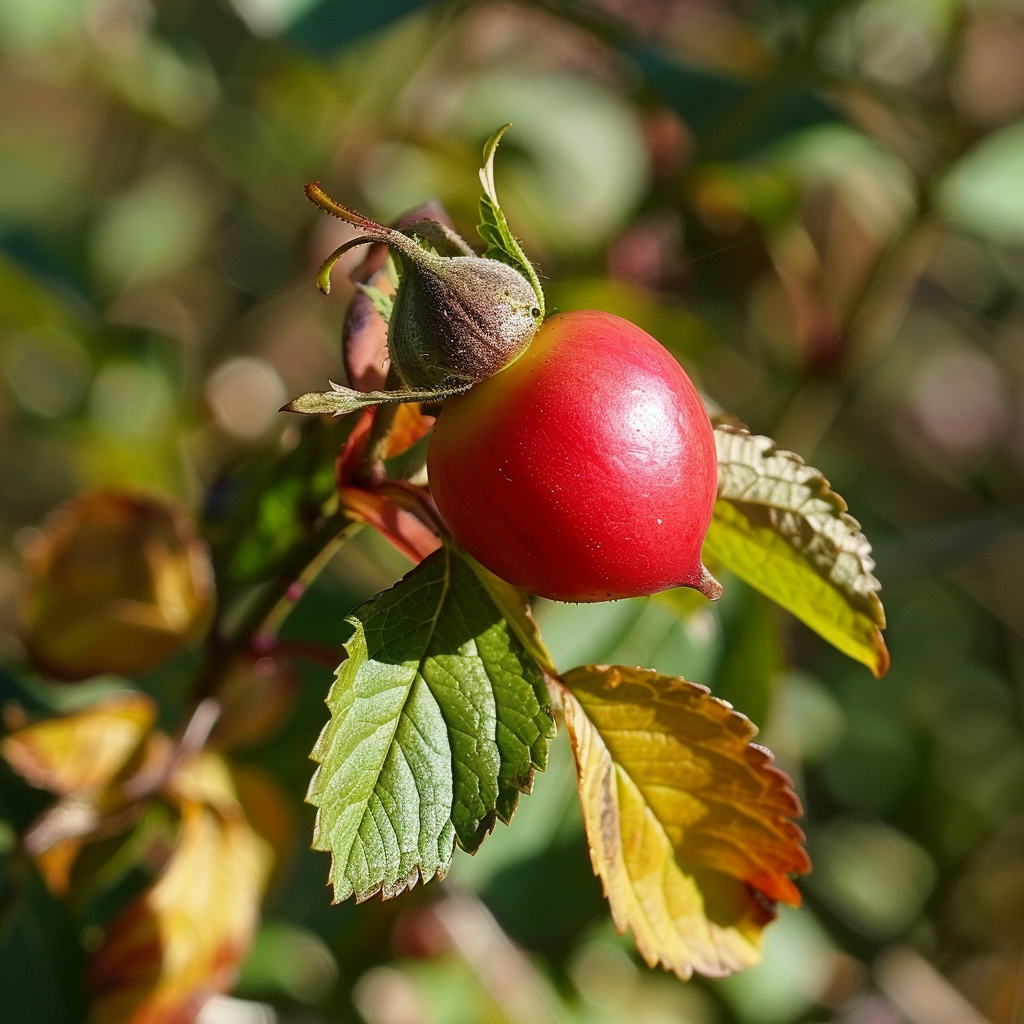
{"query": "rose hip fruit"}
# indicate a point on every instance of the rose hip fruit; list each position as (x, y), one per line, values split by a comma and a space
(585, 470)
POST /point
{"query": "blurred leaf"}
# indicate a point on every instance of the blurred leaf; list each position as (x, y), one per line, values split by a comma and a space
(156, 227)
(40, 957)
(799, 962)
(329, 25)
(438, 720)
(262, 507)
(873, 875)
(182, 939)
(779, 526)
(682, 601)
(751, 656)
(579, 167)
(84, 750)
(730, 116)
(114, 865)
(684, 334)
(115, 583)
(268, 810)
(690, 827)
(256, 696)
(494, 230)
(26, 304)
(288, 960)
(981, 192)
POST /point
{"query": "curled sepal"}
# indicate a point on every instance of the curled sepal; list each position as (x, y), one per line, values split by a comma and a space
(340, 401)
(493, 228)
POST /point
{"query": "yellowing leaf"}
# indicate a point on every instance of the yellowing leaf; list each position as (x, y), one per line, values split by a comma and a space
(181, 941)
(115, 582)
(689, 825)
(82, 751)
(779, 526)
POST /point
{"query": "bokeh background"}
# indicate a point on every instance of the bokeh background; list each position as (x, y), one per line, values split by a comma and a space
(817, 205)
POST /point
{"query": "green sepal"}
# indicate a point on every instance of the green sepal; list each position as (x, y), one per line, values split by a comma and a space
(339, 401)
(493, 228)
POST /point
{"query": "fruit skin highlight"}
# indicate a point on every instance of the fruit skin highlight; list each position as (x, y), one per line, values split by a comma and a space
(585, 470)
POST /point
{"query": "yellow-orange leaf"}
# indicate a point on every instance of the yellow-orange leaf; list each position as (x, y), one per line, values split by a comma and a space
(82, 751)
(182, 940)
(689, 825)
(115, 582)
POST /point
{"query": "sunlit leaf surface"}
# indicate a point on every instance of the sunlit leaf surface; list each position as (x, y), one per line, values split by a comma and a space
(779, 526)
(690, 827)
(439, 718)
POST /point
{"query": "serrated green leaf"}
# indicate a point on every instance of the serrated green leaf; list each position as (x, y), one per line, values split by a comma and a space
(439, 718)
(515, 606)
(779, 526)
(493, 228)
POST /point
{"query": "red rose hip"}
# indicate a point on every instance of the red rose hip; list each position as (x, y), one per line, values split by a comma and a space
(585, 470)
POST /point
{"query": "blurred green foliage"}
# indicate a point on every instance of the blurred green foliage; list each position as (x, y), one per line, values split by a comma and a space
(815, 204)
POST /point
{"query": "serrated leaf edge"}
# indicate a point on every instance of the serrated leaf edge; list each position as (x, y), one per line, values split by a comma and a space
(522, 785)
(825, 511)
(399, 885)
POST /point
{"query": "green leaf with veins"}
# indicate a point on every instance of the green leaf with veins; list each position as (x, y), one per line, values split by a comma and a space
(780, 527)
(493, 228)
(515, 606)
(439, 718)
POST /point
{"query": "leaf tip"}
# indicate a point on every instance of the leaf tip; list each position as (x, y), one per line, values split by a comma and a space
(882, 661)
